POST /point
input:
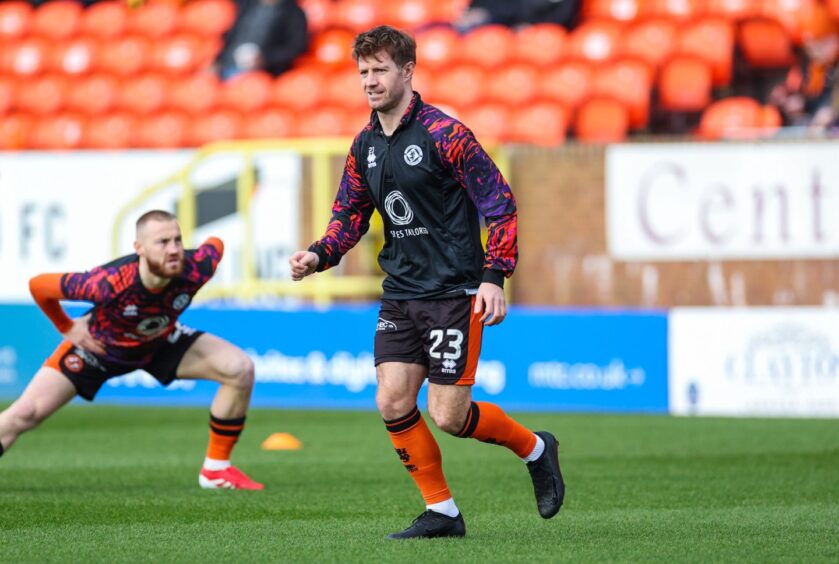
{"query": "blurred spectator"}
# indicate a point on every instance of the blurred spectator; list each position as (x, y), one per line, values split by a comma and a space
(809, 96)
(267, 35)
(517, 12)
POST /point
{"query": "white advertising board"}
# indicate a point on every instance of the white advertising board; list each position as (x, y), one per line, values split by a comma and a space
(722, 201)
(58, 210)
(754, 362)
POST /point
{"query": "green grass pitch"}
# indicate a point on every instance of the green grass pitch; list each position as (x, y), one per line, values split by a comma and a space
(111, 484)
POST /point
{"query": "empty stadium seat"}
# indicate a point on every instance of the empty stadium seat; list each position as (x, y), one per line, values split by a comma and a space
(299, 89)
(601, 120)
(490, 46)
(248, 92)
(155, 20)
(790, 13)
(8, 94)
(410, 14)
(541, 44)
(318, 14)
(734, 10)
(738, 118)
(195, 94)
(109, 131)
(684, 10)
(178, 54)
(568, 83)
(272, 123)
(596, 40)
(712, 40)
(144, 95)
(94, 95)
(652, 41)
(218, 125)
(15, 20)
(15, 131)
(359, 15)
(57, 20)
(685, 84)
(105, 19)
(491, 123)
(328, 121)
(461, 86)
(26, 57)
(514, 84)
(765, 44)
(126, 56)
(437, 47)
(207, 18)
(542, 123)
(76, 56)
(62, 132)
(333, 47)
(344, 89)
(162, 130)
(618, 10)
(630, 83)
(43, 95)
(833, 6)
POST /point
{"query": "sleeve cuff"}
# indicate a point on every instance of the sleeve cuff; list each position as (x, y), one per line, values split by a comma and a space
(493, 277)
(322, 258)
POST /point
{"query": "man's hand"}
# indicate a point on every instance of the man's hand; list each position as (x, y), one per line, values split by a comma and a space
(303, 263)
(79, 335)
(490, 301)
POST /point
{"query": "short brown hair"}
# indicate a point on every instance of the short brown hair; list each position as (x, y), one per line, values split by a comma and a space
(399, 45)
(157, 215)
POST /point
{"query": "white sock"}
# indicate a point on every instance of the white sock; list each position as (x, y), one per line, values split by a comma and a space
(216, 465)
(445, 507)
(537, 450)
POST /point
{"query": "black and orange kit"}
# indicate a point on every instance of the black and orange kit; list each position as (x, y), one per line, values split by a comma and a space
(138, 327)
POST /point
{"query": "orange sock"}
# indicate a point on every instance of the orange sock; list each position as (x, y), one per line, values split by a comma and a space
(489, 424)
(223, 436)
(420, 454)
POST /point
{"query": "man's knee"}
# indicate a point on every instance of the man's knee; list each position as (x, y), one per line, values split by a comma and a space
(238, 370)
(24, 415)
(448, 418)
(393, 405)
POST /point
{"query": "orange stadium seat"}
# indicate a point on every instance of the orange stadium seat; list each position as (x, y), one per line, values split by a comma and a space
(542, 123)
(155, 20)
(684, 10)
(162, 130)
(247, 92)
(765, 44)
(410, 14)
(328, 121)
(461, 86)
(110, 131)
(144, 95)
(218, 125)
(333, 47)
(596, 40)
(790, 13)
(438, 47)
(57, 20)
(630, 83)
(601, 120)
(271, 124)
(43, 95)
(344, 89)
(734, 10)
(490, 46)
(712, 40)
(833, 6)
(195, 94)
(541, 44)
(105, 20)
(15, 131)
(568, 83)
(208, 18)
(60, 132)
(126, 56)
(359, 15)
(8, 94)
(94, 95)
(423, 83)
(738, 118)
(299, 89)
(618, 10)
(652, 41)
(685, 84)
(318, 14)
(177, 54)
(26, 57)
(76, 56)
(491, 123)
(514, 84)
(15, 20)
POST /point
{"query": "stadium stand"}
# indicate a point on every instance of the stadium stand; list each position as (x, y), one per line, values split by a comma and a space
(111, 64)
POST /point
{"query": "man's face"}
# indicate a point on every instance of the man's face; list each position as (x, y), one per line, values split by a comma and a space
(384, 82)
(160, 244)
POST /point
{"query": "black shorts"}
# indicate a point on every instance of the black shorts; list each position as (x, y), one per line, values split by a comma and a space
(443, 335)
(88, 371)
